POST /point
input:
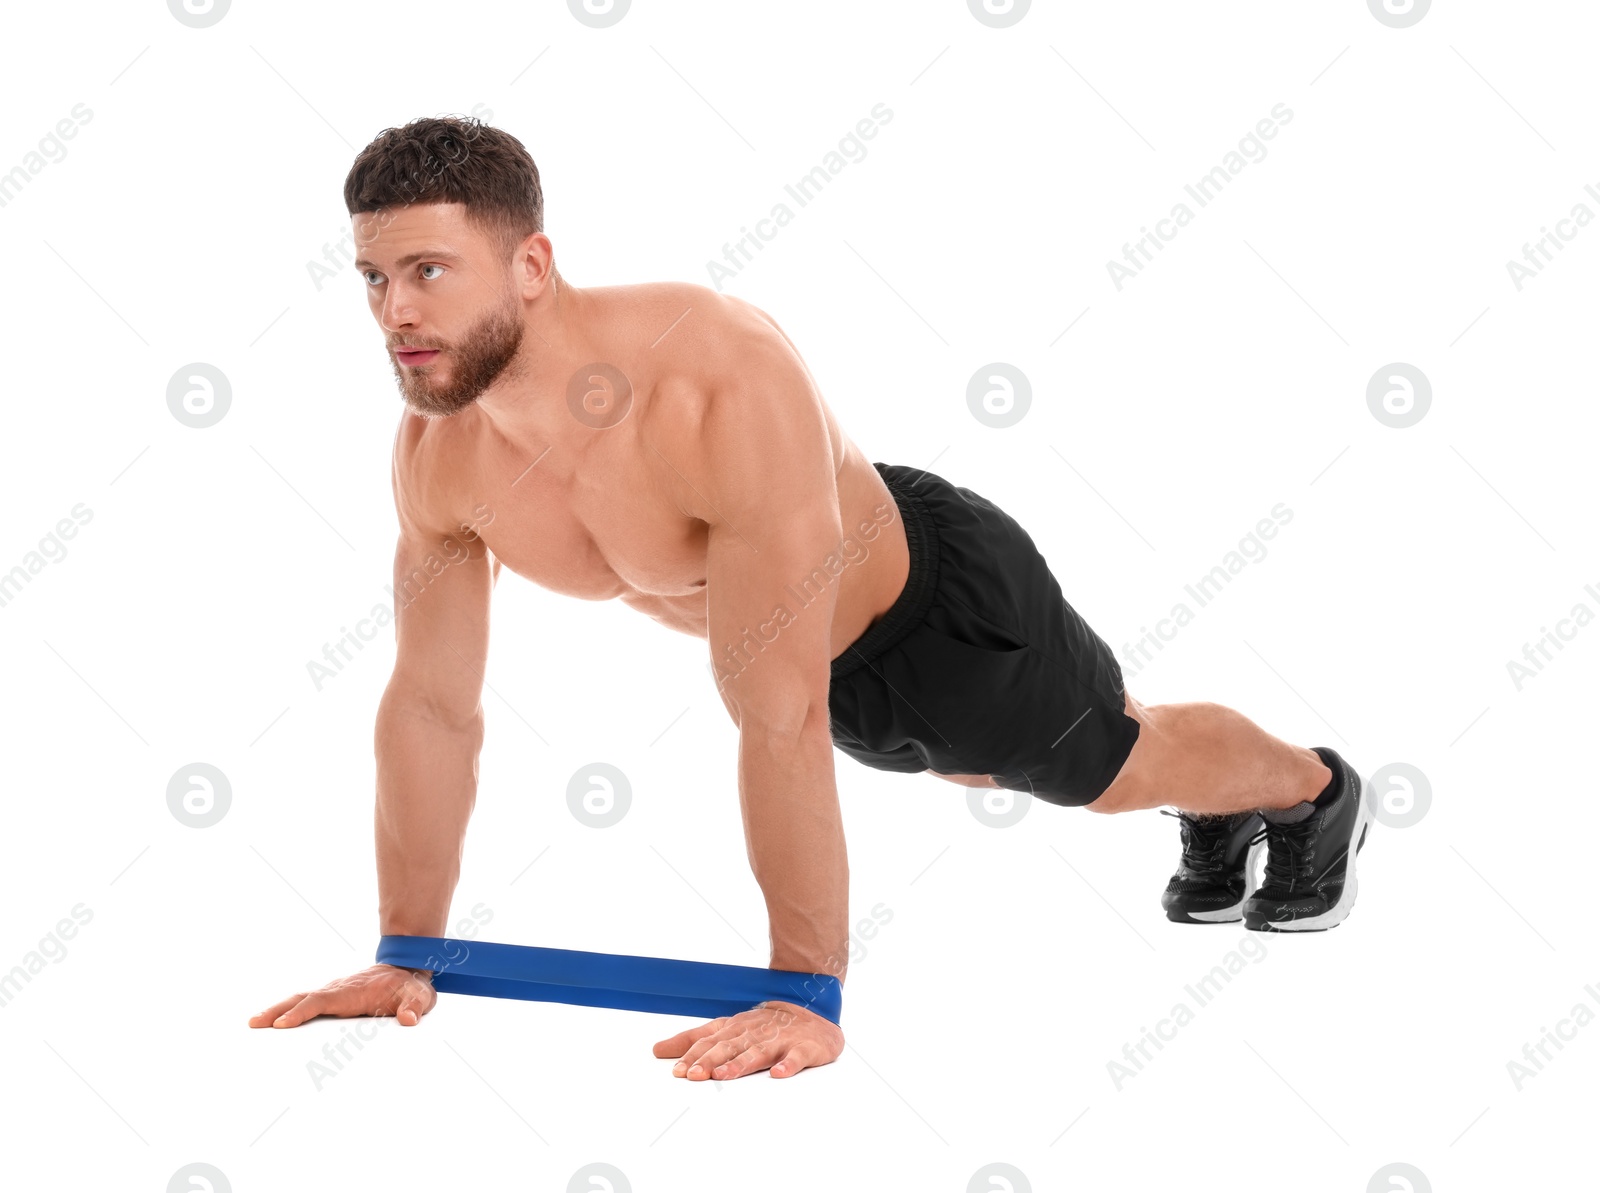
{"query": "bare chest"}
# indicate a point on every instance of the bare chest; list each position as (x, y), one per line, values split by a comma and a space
(607, 530)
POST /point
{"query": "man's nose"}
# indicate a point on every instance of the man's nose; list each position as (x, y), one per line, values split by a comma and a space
(398, 313)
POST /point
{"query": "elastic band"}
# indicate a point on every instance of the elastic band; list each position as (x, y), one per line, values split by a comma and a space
(617, 980)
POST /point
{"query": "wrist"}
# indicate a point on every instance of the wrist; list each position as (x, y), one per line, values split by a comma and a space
(832, 967)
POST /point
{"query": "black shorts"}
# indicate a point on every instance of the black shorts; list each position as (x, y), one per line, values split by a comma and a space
(980, 666)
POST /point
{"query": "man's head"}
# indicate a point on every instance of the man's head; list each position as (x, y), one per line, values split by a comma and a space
(448, 217)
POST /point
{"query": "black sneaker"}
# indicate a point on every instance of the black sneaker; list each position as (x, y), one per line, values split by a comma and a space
(1217, 870)
(1310, 883)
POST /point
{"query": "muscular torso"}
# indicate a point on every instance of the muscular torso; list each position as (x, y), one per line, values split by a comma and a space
(598, 513)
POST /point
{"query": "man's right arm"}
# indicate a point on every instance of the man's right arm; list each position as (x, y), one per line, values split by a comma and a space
(429, 729)
(430, 720)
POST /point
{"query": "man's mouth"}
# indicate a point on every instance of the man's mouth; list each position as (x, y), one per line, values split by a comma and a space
(416, 356)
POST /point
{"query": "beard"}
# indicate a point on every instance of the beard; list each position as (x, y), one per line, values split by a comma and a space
(477, 360)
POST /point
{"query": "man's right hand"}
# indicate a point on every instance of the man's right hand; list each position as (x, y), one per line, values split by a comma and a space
(407, 994)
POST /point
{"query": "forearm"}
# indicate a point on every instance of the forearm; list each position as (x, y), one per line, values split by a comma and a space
(427, 774)
(795, 839)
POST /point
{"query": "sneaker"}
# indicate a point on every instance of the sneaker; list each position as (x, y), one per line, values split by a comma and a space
(1217, 870)
(1310, 883)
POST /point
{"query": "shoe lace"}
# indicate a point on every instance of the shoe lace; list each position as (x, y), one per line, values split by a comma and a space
(1289, 864)
(1205, 843)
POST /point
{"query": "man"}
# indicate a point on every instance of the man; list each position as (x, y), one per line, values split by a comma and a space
(667, 446)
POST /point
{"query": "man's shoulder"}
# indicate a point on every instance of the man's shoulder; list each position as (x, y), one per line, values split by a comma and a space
(721, 349)
(421, 471)
(735, 409)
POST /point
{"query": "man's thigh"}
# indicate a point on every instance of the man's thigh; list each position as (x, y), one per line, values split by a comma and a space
(1145, 778)
(996, 681)
(965, 780)
(1135, 782)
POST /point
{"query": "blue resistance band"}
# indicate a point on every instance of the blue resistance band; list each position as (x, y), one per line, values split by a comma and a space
(617, 980)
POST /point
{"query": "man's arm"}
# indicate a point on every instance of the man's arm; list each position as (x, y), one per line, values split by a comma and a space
(430, 721)
(429, 728)
(762, 466)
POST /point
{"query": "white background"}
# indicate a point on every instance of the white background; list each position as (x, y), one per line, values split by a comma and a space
(1228, 376)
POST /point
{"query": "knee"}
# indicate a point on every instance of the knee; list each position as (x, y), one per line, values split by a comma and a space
(1138, 784)
(1126, 794)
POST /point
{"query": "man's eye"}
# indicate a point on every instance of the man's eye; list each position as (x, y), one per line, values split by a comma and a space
(433, 267)
(369, 274)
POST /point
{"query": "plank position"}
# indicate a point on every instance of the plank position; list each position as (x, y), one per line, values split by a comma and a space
(665, 445)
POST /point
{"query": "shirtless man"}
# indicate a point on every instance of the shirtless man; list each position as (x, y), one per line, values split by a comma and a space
(666, 445)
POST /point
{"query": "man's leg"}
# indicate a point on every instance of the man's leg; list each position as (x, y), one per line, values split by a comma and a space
(1209, 760)
(1205, 758)
(964, 780)
(1201, 758)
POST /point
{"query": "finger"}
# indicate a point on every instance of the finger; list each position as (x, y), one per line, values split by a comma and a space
(714, 1054)
(698, 1049)
(265, 1018)
(752, 1060)
(692, 1056)
(791, 1062)
(413, 1007)
(675, 1045)
(308, 1007)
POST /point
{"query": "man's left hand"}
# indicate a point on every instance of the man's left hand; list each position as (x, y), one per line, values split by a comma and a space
(777, 1035)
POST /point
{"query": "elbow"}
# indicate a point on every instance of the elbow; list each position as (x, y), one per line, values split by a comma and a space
(401, 711)
(783, 725)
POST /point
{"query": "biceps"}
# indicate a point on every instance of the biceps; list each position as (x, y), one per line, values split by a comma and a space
(770, 619)
(441, 590)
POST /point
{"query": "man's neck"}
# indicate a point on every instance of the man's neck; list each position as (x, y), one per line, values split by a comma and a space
(531, 398)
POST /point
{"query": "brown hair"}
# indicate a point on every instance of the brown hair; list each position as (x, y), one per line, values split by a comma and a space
(451, 159)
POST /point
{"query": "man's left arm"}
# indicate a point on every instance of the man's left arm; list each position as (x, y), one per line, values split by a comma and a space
(762, 468)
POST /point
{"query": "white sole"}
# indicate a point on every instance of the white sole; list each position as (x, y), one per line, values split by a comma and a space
(1347, 897)
(1229, 915)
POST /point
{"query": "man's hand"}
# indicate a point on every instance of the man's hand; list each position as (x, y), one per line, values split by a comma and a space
(407, 994)
(779, 1035)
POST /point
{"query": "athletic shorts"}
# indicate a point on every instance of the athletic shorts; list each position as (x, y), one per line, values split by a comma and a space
(980, 666)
